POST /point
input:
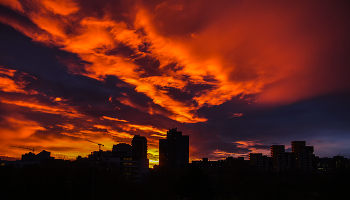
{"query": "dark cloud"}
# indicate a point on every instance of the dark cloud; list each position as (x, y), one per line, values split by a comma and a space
(14, 17)
(281, 69)
(308, 120)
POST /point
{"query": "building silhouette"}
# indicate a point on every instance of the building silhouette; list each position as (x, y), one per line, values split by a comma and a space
(174, 150)
(260, 161)
(122, 150)
(29, 157)
(130, 160)
(221, 168)
(40, 157)
(286, 162)
(139, 147)
(139, 163)
(340, 163)
(324, 165)
(304, 156)
(276, 151)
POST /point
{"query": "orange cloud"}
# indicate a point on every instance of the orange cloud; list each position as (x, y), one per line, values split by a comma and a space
(243, 49)
(222, 154)
(250, 145)
(14, 4)
(115, 133)
(35, 106)
(8, 72)
(62, 7)
(19, 128)
(114, 119)
(94, 37)
(165, 81)
(148, 128)
(24, 127)
(129, 126)
(57, 99)
(66, 126)
(236, 115)
(8, 85)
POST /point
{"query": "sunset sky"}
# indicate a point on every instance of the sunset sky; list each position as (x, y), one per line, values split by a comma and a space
(236, 76)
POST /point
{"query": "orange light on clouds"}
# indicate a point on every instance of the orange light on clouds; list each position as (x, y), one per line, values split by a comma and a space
(243, 50)
(14, 4)
(8, 72)
(250, 145)
(114, 119)
(57, 99)
(236, 115)
(62, 7)
(38, 107)
(8, 85)
(223, 154)
(148, 128)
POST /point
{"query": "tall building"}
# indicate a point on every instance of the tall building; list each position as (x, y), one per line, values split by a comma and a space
(298, 146)
(276, 151)
(304, 156)
(131, 160)
(174, 150)
(285, 162)
(261, 162)
(138, 165)
(139, 147)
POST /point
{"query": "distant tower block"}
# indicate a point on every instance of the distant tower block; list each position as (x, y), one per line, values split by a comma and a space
(298, 146)
(139, 147)
(304, 156)
(277, 154)
(276, 150)
(174, 150)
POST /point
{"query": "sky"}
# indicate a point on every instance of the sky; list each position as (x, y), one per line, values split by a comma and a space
(236, 76)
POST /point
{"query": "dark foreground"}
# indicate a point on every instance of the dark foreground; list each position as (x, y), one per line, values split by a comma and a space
(72, 180)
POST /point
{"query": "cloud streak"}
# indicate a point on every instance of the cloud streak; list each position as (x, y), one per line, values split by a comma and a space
(156, 64)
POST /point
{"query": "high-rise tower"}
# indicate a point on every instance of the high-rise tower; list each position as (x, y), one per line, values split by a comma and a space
(277, 154)
(139, 147)
(304, 156)
(276, 150)
(138, 165)
(174, 150)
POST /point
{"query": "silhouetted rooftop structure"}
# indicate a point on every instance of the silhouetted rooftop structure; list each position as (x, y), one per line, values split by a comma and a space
(42, 156)
(122, 150)
(228, 166)
(304, 156)
(139, 147)
(130, 160)
(174, 150)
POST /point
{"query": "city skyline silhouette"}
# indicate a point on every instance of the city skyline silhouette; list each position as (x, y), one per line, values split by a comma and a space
(132, 159)
(101, 83)
(123, 173)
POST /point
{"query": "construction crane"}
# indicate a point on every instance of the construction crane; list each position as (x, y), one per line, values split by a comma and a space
(99, 148)
(32, 149)
(99, 144)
